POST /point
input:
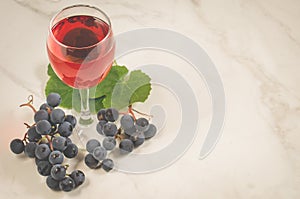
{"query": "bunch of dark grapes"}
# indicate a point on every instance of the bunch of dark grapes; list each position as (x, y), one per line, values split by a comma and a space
(131, 134)
(97, 157)
(47, 140)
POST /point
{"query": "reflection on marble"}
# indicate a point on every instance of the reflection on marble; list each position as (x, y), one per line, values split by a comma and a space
(255, 46)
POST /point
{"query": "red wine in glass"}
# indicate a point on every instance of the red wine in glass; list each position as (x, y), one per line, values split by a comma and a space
(80, 62)
(81, 48)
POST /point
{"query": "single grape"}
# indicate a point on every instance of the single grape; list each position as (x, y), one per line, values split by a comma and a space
(67, 184)
(56, 157)
(58, 172)
(109, 143)
(131, 131)
(30, 149)
(65, 129)
(43, 127)
(110, 129)
(150, 132)
(90, 161)
(36, 160)
(44, 167)
(107, 165)
(91, 145)
(71, 151)
(126, 146)
(69, 141)
(57, 116)
(59, 143)
(71, 119)
(42, 151)
(33, 135)
(17, 146)
(111, 114)
(127, 122)
(78, 177)
(100, 125)
(53, 99)
(142, 124)
(99, 153)
(138, 139)
(52, 184)
(101, 115)
(41, 115)
(46, 107)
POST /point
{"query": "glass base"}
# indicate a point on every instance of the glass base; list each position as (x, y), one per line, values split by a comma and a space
(82, 133)
(85, 122)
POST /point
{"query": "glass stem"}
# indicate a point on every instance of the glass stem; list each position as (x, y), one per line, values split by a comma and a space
(85, 115)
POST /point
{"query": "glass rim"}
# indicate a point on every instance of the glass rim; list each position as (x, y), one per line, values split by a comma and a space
(74, 6)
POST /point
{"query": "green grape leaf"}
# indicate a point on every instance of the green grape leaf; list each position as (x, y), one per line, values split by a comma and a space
(132, 88)
(54, 84)
(107, 85)
(117, 90)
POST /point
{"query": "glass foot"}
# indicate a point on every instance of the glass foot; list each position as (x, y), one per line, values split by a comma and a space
(85, 122)
(83, 133)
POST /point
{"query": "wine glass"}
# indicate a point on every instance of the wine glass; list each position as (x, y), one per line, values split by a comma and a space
(81, 48)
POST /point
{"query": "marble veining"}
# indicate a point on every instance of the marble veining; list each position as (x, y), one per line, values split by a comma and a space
(34, 6)
(17, 80)
(281, 101)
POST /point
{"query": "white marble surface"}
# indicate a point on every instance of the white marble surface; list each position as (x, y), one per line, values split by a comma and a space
(256, 47)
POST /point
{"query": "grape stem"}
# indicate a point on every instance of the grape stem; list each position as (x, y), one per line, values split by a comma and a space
(29, 103)
(119, 137)
(48, 110)
(29, 126)
(131, 112)
(50, 142)
(25, 138)
(119, 131)
(144, 114)
(39, 141)
(99, 166)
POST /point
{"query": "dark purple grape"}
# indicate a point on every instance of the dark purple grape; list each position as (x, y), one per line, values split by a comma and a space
(91, 162)
(71, 151)
(53, 99)
(17, 146)
(107, 165)
(78, 177)
(126, 146)
(111, 114)
(101, 114)
(67, 184)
